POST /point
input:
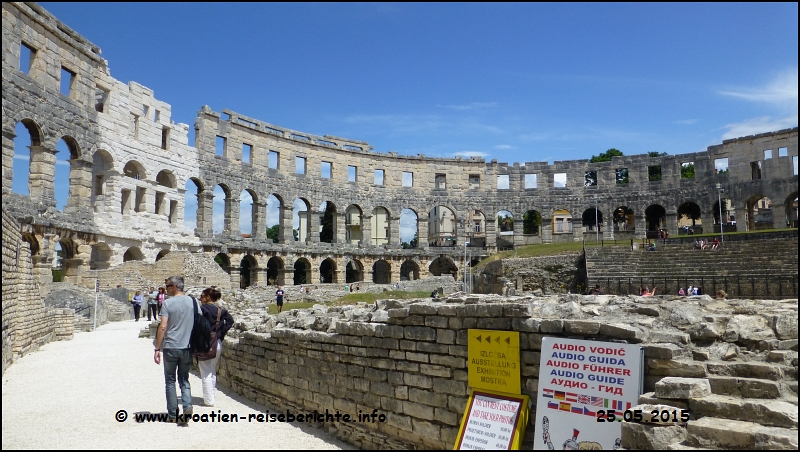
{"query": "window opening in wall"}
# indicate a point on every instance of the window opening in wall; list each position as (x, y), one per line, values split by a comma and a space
(300, 165)
(98, 185)
(247, 153)
(474, 181)
(326, 170)
(124, 205)
(138, 206)
(351, 173)
(26, 135)
(100, 99)
(378, 177)
(755, 170)
(145, 110)
(783, 152)
(409, 233)
(67, 78)
(408, 179)
(622, 176)
(159, 202)
(440, 181)
(531, 221)
(502, 182)
(654, 173)
(173, 209)
(687, 170)
(721, 166)
(156, 116)
(272, 160)
(590, 179)
(767, 154)
(247, 213)
(794, 162)
(165, 138)
(135, 119)
(220, 146)
(67, 149)
(530, 181)
(560, 180)
(26, 56)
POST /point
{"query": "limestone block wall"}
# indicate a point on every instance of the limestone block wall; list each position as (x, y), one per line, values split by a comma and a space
(548, 274)
(409, 360)
(27, 323)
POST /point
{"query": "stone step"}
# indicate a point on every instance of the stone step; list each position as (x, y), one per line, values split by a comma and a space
(752, 388)
(731, 434)
(774, 413)
(686, 446)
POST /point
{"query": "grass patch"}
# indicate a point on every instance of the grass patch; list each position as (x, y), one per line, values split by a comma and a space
(273, 308)
(369, 297)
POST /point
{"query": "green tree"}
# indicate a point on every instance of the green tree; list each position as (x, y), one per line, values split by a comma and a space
(505, 223)
(687, 170)
(606, 156)
(272, 233)
(654, 173)
(326, 235)
(622, 175)
(690, 210)
(656, 154)
(531, 222)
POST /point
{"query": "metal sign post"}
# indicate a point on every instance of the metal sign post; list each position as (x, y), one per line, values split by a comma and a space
(96, 294)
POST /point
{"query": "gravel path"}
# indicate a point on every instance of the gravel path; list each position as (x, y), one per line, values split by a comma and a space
(66, 396)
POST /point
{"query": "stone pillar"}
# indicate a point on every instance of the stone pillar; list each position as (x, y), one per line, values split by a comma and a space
(286, 276)
(260, 227)
(672, 223)
(261, 277)
(519, 228)
(42, 176)
(72, 270)
(491, 235)
(341, 271)
(577, 228)
(366, 232)
(394, 231)
(315, 224)
(340, 232)
(778, 216)
(641, 226)
(231, 228)
(235, 276)
(546, 230)
(205, 214)
(285, 233)
(312, 276)
(422, 231)
(42, 267)
(8, 159)
(395, 267)
(80, 186)
(707, 220)
(149, 201)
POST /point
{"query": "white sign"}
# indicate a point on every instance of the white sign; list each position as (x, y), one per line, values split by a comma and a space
(490, 424)
(579, 381)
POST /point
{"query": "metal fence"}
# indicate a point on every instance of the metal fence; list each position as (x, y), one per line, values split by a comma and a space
(734, 286)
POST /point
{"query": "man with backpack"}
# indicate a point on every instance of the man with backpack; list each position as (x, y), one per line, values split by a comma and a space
(172, 339)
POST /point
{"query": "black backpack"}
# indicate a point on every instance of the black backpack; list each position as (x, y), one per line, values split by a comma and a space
(200, 340)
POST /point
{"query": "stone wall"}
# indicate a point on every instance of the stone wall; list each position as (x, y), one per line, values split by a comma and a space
(408, 359)
(547, 274)
(27, 323)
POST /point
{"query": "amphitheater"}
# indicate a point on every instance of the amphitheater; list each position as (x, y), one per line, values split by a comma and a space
(132, 170)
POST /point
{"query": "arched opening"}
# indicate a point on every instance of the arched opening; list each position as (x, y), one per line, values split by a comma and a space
(443, 266)
(379, 226)
(133, 254)
(354, 272)
(161, 254)
(531, 222)
(32, 242)
(247, 212)
(759, 213)
(327, 222)
(64, 179)
(791, 210)
(381, 272)
(101, 256)
(247, 270)
(562, 222)
(409, 234)
(624, 219)
(656, 217)
(476, 229)
(327, 272)
(223, 261)
(65, 267)
(441, 227)
(165, 178)
(505, 229)
(301, 221)
(353, 225)
(689, 217)
(102, 167)
(193, 202)
(592, 219)
(728, 215)
(221, 210)
(274, 227)
(27, 133)
(409, 271)
(134, 170)
(302, 272)
(275, 271)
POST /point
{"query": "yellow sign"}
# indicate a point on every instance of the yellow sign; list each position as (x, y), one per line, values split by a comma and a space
(493, 421)
(494, 360)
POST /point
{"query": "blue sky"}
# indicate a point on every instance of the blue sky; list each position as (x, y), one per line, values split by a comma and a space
(513, 82)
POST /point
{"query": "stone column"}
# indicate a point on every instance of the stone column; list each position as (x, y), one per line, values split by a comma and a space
(778, 216)
(42, 267)
(422, 231)
(71, 268)
(42, 175)
(8, 159)
(260, 227)
(394, 231)
(80, 186)
(315, 224)
(286, 276)
(340, 232)
(491, 235)
(341, 271)
(641, 226)
(312, 276)
(395, 270)
(707, 219)
(235, 276)
(366, 231)
(672, 223)
(205, 214)
(546, 229)
(577, 228)
(261, 277)
(519, 229)
(285, 233)
(231, 228)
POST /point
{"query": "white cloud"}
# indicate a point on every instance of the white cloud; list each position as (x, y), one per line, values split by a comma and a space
(505, 146)
(470, 106)
(758, 125)
(471, 154)
(781, 90)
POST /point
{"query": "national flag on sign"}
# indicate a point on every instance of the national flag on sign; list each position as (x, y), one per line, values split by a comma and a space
(605, 403)
(584, 399)
(564, 406)
(571, 398)
(588, 412)
(597, 401)
(618, 404)
(560, 395)
(627, 405)
(548, 393)
(572, 394)
(552, 405)
(577, 410)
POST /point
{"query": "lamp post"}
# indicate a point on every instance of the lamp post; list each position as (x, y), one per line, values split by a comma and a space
(721, 222)
(596, 225)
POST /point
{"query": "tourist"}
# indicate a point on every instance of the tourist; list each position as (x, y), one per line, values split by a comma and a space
(279, 298)
(162, 295)
(652, 247)
(596, 290)
(136, 302)
(696, 244)
(152, 304)
(435, 294)
(221, 321)
(681, 292)
(358, 287)
(715, 245)
(174, 331)
(647, 292)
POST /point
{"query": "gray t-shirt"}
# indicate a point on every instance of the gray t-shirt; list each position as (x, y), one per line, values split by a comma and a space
(180, 319)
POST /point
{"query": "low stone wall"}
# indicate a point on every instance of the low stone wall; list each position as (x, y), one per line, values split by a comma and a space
(408, 359)
(543, 275)
(64, 324)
